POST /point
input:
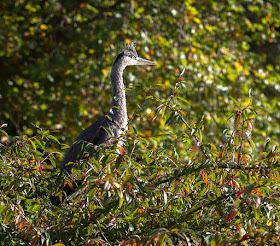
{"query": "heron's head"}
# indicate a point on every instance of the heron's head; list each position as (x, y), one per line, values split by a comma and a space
(129, 57)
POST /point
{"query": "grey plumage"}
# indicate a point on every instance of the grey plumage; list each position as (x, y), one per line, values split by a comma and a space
(116, 122)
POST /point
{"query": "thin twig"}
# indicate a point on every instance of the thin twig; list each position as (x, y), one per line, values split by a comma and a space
(217, 200)
(176, 88)
(181, 116)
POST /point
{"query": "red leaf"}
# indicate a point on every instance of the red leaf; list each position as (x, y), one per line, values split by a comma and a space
(232, 184)
(238, 228)
(40, 168)
(246, 236)
(101, 182)
(237, 118)
(239, 193)
(221, 181)
(120, 148)
(223, 154)
(257, 191)
(20, 227)
(204, 176)
(249, 126)
(246, 160)
(238, 157)
(230, 216)
(100, 242)
(272, 176)
(28, 230)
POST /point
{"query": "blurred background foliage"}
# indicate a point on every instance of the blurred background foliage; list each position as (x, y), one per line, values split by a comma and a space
(56, 57)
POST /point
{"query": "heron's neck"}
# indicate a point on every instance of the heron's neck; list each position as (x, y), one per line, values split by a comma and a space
(119, 100)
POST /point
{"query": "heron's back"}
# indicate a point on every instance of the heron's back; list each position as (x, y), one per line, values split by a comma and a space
(94, 134)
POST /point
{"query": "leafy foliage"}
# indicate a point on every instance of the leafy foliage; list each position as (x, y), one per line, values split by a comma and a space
(201, 157)
(151, 195)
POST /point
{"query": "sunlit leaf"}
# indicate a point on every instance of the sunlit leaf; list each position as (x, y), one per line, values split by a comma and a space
(230, 216)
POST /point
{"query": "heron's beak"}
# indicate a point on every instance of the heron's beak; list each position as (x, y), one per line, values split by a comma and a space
(141, 61)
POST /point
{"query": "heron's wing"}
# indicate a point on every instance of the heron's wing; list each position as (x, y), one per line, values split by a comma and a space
(95, 134)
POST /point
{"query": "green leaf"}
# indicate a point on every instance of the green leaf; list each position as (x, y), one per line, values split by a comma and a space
(4, 133)
(184, 100)
(45, 134)
(33, 144)
(258, 107)
(93, 9)
(232, 114)
(108, 131)
(81, 148)
(120, 199)
(7, 217)
(267, 144)
(252, 144)
(53, 138)
(34, 208)
(109, 118)
(3, 209)
(170, 119)
(39, 143)
(163, 111)
(236, 103)
(134, 129)
(249, 188)
(52, 161)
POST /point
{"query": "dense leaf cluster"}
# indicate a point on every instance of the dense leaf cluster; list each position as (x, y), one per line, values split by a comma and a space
(154, 196)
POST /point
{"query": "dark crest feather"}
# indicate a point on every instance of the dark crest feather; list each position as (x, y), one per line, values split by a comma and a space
(130, 46)
(129, 50)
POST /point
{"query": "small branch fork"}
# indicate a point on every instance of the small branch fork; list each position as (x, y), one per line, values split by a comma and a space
(216, 201)
(181, 116)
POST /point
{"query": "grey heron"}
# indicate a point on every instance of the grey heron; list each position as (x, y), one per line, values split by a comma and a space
(106, 127)
(116, 121)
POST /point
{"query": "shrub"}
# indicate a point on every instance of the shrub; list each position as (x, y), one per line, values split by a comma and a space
(193, 193)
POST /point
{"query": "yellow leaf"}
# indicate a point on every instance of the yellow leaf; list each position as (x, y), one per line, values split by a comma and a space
(193, 49)
(238, 66)
(268, 222)
(43, 27)
(247, 73)
(198, 21)
(104, 72)
(69, 184)
(148, 56)
(67, 72)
